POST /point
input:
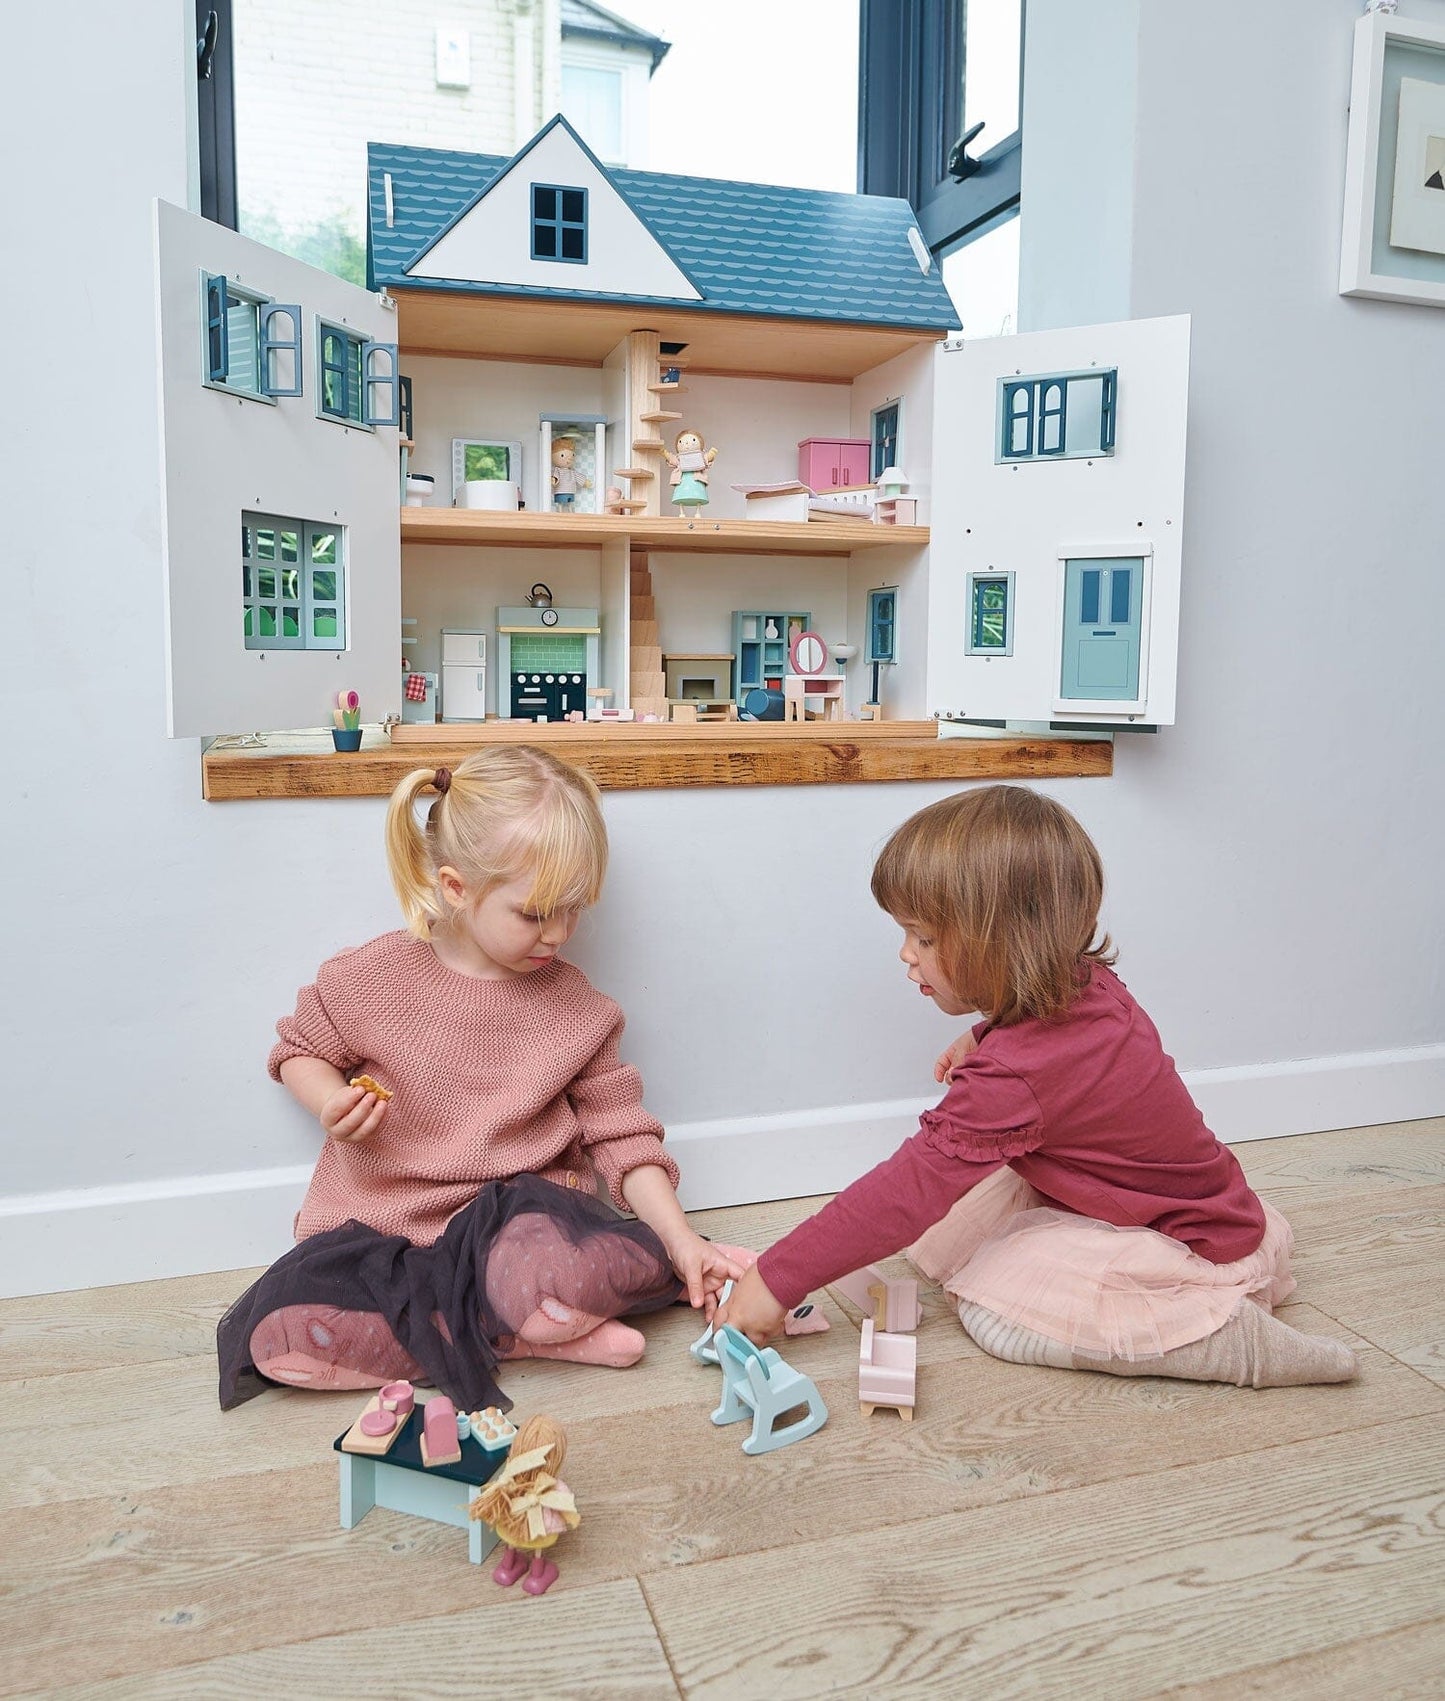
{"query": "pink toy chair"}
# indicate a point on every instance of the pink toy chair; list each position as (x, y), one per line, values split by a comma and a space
(887, 1372)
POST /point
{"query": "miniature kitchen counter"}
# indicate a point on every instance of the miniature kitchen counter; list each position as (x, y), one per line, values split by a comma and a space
(640, 756)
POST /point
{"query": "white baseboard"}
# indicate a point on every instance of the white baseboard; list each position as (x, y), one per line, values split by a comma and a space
(99, 1236)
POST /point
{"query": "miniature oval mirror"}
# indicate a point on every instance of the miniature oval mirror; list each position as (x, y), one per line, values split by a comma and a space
(809, 653)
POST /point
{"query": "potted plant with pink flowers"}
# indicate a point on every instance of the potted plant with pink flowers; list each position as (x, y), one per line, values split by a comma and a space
(346, 733)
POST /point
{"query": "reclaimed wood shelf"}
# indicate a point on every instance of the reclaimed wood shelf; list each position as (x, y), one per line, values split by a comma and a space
(633, 756)
(736, 537)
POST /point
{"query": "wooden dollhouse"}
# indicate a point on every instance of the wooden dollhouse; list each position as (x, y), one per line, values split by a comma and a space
(545, 303)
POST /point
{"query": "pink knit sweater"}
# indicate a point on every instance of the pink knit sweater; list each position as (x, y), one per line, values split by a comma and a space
(490, 1077)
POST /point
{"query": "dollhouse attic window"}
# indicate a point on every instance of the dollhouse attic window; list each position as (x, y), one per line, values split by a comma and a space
(360, 384)
(252, 344)
(559, 223)
(1064, 416)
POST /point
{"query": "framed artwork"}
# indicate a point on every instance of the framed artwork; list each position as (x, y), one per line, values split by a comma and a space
(475, 458)
(1393, 242)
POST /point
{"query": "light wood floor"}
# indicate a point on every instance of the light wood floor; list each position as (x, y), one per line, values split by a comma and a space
(1034, 1532)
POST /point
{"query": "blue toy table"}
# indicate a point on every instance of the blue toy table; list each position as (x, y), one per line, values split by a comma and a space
(400, 1482)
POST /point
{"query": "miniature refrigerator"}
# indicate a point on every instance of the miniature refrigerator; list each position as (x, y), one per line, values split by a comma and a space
(464, 676)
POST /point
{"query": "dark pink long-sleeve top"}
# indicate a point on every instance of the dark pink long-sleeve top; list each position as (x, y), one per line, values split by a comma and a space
(1088, 1109)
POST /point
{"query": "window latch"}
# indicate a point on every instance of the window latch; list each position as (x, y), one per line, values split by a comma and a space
(206, 48)
(960, 166)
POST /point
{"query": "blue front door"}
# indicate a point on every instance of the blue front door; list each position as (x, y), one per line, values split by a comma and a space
(1103, 604)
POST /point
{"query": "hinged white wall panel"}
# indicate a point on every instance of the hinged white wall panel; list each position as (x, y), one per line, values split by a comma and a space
(224, 455)
(1023, 520)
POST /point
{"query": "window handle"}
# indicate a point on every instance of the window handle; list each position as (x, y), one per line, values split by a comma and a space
(960, 166)
(206, 48)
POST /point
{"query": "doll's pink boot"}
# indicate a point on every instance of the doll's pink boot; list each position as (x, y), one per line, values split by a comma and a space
(509, 1567)
(540, 1577)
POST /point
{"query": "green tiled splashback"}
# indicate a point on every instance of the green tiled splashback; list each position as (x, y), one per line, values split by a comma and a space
(548, 653)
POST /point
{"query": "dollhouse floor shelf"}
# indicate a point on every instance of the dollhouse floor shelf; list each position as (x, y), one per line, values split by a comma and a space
(735, 537)
(652, 755)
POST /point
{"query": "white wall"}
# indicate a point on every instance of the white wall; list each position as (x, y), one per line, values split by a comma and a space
(1272, 859)
(316, 82)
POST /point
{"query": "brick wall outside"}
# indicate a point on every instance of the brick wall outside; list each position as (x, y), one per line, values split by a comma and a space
(316, 80)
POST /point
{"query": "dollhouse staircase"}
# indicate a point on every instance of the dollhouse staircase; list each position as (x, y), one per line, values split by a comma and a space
(653, 380)
(648, 686)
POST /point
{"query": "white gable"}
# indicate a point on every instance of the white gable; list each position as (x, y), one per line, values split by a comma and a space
(493, 242)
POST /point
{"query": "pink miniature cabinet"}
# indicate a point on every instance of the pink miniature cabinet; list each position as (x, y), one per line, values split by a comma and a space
(835, 463)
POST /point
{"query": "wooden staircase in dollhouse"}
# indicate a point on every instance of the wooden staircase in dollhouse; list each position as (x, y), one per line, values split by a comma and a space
(648, 685)
(653, 380)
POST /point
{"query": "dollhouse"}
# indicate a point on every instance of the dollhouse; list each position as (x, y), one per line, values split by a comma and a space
(604, 373)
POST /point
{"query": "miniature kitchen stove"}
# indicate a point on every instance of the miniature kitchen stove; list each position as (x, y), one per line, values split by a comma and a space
(548, 696)
(548, 657)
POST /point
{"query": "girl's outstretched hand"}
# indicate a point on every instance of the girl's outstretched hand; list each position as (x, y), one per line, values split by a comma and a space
(955, 1055)
(351, 1114)
(751, 1308)
(703, 1268)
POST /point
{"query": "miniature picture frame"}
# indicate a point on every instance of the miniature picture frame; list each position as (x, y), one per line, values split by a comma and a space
(1393, 241)
(485, 460)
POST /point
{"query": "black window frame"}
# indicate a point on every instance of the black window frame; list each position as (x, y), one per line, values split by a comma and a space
(910, 116)
(216, 111)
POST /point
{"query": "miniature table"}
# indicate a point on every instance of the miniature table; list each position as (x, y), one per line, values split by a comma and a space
(799, 686)
(399, 1482)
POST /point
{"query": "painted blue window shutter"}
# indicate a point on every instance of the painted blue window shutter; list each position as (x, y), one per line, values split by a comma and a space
(381, 390)
(333, 373)
(217, 350)
(277, 340)
(1052, 427)
(1111, 391)
(1018, 420)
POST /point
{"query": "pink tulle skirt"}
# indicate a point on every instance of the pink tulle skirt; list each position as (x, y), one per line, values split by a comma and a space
(1100, 1290)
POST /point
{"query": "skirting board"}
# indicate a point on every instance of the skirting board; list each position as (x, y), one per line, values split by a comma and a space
(99, 1236)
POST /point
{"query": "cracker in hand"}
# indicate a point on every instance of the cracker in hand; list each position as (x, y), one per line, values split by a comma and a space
(367, 1085)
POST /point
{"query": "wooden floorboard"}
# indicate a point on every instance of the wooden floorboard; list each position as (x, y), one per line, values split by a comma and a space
(1033, 1532)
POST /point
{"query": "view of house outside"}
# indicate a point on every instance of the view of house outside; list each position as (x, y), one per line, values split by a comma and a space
(754, 91)
(317, 81)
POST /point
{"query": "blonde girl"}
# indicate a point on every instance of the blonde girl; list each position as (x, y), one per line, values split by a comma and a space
(1066, 1191)
(481, 1132)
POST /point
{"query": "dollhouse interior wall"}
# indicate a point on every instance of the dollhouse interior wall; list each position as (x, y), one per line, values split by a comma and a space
(756, 425)
(1272, 859)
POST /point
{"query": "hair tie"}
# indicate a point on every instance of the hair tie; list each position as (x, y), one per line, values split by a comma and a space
(441, 780)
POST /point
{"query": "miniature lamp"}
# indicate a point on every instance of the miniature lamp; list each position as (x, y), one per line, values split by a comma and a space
(891, 482)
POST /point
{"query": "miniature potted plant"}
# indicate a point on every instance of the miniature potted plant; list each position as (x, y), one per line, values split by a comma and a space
(346, 733)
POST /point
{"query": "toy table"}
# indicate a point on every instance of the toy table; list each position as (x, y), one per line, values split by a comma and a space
(400, 1482)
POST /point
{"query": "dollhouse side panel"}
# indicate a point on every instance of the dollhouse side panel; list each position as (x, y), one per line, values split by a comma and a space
(1025, 520)
(225, 455)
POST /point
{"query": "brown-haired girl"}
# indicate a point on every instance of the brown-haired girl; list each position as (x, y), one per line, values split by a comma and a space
(473, 1099)
(1066, 1191)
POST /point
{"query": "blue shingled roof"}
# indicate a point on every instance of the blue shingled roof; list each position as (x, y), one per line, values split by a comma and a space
(748, 247)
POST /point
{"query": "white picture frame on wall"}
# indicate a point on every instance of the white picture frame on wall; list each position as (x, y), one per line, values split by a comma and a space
(1390, 53)
(1417, 209)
